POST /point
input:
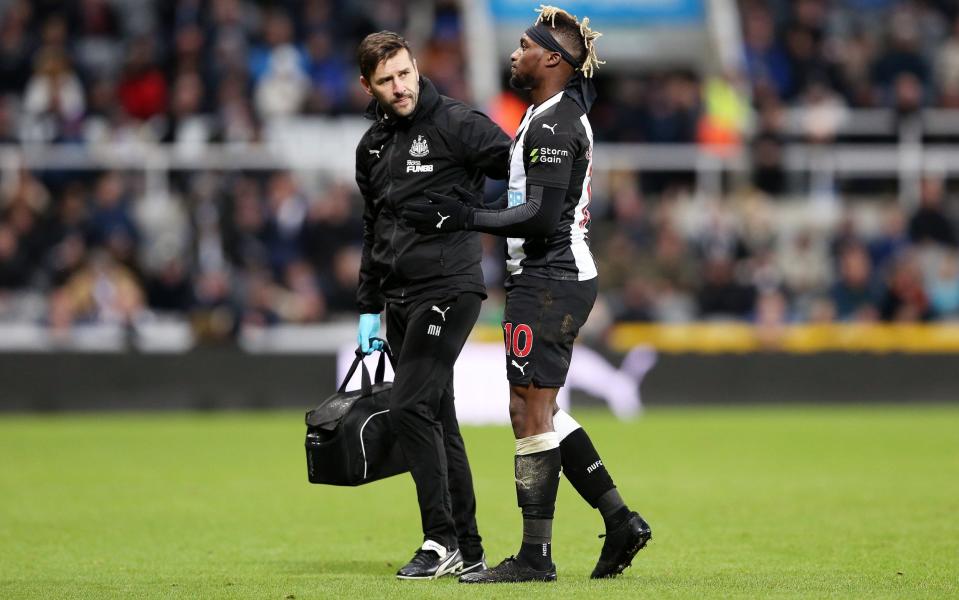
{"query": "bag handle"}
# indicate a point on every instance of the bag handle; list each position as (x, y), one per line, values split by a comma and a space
(387, 352)
(365, 384)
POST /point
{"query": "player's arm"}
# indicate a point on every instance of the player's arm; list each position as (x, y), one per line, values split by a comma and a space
(548, 158)
(537, 217)
(548, 154)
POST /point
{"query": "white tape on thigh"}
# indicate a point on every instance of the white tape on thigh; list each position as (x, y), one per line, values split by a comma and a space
(564, 424)
(540, 442)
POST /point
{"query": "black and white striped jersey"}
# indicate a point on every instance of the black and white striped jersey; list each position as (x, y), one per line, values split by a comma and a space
(554, 148)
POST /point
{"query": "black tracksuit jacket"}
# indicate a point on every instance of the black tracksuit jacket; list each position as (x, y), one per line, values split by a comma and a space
(442, 143)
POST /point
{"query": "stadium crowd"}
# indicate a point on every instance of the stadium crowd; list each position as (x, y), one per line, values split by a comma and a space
(263, 248)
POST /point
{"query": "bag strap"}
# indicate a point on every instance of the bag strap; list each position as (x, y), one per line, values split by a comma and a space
(381, 365)
(365, 384)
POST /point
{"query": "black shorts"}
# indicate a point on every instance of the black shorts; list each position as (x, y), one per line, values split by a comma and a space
(540, 322)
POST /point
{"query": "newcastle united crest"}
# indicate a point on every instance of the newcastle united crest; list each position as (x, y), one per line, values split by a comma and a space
(419, 148)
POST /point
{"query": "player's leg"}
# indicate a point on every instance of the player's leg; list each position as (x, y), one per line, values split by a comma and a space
(537, 460)
(537, 467)
(460, 476)
(431, 343)
(626, 531)
(536, 472)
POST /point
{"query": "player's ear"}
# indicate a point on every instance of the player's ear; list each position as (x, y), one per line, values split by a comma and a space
(366, 85)
(416, 70)
(553, 59)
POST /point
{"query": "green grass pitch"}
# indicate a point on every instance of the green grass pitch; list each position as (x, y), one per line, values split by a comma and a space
(850, 502)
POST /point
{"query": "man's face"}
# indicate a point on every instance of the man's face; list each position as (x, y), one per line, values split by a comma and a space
(395, 84)
(524, 64)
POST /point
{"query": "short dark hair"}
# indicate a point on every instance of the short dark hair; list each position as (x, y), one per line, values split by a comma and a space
(567, 33)
(378, 47)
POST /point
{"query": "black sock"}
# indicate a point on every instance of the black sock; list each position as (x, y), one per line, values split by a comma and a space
(537, 547)
(586, 471)
(537, 481)
(613, 509)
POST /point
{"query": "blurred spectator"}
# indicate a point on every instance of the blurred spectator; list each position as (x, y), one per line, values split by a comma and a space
(892, 239)
(905, 299)
(330, 225)
(53, 101)
(825, 111)
(943, 287)
(15, 47)
(277, 68)
(110, 221)
(236, 121)
(96, 27)
(947, 63)
(673, 109)
(340, 290)
(902, 55)
(244, 234)
(929, 223)
(215, 314)
(104, 291)
(772, 314)
(142, 89)
(855, 295)
(721, 296)
(766, 62)
(725, 115)
(328, 74)
(769, 174)
(285, 223)
(185, 125)
(260, 300)
(283, 88)
(14, 268)
(804, 263)
(300, 299)
(636, 301)
(170, 289)
(631, 212)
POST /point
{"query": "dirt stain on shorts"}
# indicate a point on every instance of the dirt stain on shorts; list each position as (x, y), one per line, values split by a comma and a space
(567, 325)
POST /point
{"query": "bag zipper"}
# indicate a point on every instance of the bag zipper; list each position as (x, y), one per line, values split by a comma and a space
(362, 445)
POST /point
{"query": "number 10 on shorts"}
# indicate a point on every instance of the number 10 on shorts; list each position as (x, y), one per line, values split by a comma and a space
(519, 339)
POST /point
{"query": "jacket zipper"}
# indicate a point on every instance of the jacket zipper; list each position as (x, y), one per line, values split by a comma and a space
(389, 200)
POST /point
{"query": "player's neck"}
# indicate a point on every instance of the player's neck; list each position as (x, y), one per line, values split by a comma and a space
(546, 91)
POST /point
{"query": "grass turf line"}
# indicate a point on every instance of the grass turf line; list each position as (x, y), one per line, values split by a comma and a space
(845, 502)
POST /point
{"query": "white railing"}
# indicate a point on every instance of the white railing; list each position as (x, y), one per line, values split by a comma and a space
(327, 146)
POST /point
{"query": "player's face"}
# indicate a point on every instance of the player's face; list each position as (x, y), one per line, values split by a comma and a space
(395, 84)
(524, 64)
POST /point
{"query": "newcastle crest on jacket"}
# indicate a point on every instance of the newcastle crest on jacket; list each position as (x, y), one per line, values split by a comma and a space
(419, 148)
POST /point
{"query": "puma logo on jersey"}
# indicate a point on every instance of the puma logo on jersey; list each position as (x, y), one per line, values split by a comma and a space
(442, 312)
(442, 218)
(376, 152)
(521, 367)
(552, 128)
(594, 466)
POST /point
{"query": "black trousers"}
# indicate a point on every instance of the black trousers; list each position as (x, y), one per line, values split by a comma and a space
(427, 335)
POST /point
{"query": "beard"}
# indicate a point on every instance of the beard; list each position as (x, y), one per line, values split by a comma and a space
(386, 102)
(521, 82)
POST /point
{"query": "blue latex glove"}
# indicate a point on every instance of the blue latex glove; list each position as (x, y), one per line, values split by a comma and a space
(369, 327)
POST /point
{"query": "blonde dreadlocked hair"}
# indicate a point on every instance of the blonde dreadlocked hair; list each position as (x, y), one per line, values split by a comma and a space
(591, 62)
